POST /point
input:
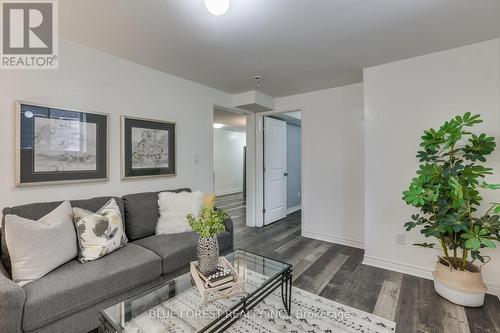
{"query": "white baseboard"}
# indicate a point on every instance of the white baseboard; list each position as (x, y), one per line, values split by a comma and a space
(422, 272)
(293, 209)
(230, 191)
(334, 239)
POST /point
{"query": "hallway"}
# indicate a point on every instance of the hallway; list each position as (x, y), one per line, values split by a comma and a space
(235, 206)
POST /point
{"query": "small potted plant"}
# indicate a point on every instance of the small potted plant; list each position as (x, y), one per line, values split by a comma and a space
(208, 225)
(446, 192)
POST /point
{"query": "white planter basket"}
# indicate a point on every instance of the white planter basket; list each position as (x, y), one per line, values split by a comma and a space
(464, 288)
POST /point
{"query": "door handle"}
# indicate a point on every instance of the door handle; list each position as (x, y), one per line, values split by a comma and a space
(285, 174)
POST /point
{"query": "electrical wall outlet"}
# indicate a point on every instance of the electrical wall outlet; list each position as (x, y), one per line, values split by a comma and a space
(400, 239)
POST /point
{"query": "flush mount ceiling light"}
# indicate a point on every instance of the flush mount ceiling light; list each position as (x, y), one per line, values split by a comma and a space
(218, 125)
(258, 80)
(217, 7)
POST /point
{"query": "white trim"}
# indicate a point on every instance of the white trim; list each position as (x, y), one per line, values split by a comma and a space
(293, 209)
(259, 172)
(229, 191)
(211, 150)
(398, 267)
(250, 167)
(422, 272)
(334, 239)
(272, 112)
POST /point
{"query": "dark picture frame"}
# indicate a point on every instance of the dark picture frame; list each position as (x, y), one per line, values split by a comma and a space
(148, 148)
(56, 145)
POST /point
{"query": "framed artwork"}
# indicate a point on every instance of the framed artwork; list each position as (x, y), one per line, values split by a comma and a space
(55, 145)
(148, 148)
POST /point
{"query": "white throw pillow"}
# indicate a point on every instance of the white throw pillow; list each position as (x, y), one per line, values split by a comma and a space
(38, 247)
(99, 233)
(174, 207)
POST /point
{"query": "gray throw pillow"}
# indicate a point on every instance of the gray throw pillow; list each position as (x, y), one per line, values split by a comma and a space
(38, 247)
(99, 233)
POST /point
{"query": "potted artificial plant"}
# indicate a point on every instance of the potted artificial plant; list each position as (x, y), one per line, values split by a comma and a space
(208, 225)
(446, 192)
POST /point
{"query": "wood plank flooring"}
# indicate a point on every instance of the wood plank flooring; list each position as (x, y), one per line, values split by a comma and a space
(335, 272)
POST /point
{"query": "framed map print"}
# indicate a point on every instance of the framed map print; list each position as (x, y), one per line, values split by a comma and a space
(148, 148)
(55, 145)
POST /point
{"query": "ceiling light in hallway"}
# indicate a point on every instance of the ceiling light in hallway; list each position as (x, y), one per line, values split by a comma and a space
(218, 125)
(217, 7)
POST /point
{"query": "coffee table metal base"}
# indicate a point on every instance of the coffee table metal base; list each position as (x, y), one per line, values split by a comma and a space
(284, 280)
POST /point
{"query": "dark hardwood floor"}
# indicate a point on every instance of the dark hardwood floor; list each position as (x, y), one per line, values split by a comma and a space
(335, 272)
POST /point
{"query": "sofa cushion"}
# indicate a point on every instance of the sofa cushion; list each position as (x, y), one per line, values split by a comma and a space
(141, 213)
(178, 250)
(75, 286)
(35, 211)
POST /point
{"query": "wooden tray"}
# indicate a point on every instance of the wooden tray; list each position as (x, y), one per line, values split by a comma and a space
(236, 287)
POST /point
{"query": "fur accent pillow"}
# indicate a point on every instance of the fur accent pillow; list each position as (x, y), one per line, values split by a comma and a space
(38, 247)
(174, 207)
(99, 233)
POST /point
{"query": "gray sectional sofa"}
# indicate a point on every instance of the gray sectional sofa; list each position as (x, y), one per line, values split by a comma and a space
(68, 298)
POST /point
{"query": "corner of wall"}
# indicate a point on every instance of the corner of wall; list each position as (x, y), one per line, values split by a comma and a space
(498, 51)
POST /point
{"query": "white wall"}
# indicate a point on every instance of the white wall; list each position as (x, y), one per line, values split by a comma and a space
(498, 275)
(401, 100)
(90, 80)
(228, 161)
(332, 162)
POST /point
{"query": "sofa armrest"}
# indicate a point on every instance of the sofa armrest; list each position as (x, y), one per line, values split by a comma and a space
(230, 228)
(12, 298)
(228, 223)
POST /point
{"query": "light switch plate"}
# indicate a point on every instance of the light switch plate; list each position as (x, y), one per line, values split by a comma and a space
(400, 239)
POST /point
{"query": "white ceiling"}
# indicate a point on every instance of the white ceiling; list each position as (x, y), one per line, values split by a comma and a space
(297, 45)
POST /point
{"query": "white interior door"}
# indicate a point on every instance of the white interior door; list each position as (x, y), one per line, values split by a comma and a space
(274, 170)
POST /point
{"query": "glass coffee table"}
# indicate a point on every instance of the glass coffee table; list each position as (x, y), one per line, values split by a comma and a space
(176, 305)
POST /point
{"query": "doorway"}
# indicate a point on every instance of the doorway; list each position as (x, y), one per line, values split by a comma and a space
(229, 152)
(229, 163)
(282, 166)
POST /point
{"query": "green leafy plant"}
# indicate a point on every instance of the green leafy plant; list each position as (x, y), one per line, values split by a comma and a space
(209, 223)
(446, 191)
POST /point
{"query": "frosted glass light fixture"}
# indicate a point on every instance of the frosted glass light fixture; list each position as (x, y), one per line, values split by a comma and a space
(217, 7)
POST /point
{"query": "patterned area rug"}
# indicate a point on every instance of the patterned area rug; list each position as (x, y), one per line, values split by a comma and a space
(310, 314)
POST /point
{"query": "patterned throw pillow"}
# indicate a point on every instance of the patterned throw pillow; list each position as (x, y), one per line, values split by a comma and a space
(99, 233)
